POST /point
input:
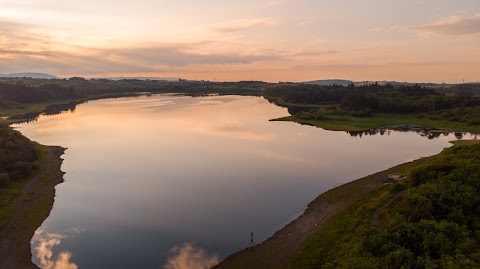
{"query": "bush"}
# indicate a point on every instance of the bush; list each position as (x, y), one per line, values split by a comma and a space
(362, 113)
(4, 179)
(21, 170)
(10, 145)
(421, 116)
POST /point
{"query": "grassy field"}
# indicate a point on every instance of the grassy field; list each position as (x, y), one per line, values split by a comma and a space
(349, 123)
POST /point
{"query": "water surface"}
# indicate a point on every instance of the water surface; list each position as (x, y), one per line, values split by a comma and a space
(159, 177)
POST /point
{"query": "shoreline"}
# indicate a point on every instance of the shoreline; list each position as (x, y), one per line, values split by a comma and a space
(279, 250)
(32, 206)
(382, 122)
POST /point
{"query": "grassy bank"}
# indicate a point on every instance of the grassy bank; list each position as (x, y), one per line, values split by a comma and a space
(427, 221)
(9, 193)
(25, 204)
(29, 173)
(350, 123)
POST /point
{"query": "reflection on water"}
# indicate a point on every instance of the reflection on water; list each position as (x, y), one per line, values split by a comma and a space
(187, 256)
(44, 243)
(54, 109)
(146, 174)
(428, 133)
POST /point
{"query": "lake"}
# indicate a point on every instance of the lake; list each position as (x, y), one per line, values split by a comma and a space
(162, 181)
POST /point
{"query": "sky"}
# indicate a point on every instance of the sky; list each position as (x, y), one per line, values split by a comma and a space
(269, 40)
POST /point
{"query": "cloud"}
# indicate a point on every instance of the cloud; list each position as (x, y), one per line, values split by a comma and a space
(13, 34)
(22, 48)
(25, 47)
(45, 243)
(240, 25)
(183, 54)
(451, 26)
(154, 57)
(187, 256)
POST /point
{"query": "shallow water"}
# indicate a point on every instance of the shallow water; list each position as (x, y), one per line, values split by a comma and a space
(159, 180)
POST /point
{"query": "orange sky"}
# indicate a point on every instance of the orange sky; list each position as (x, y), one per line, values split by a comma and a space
(271, 40)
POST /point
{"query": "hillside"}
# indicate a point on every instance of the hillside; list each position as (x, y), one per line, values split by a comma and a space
(29, 75)
(429, 220)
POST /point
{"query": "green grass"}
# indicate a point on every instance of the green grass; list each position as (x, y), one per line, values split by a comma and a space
(349, 123)
(7, 198)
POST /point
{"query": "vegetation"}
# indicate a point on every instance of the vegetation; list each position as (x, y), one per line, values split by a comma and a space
(373, 106)
(19, 159)
(432, 222)
(27, 98)
(332, 107)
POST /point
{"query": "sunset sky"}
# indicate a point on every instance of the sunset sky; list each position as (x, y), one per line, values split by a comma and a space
(270, 40)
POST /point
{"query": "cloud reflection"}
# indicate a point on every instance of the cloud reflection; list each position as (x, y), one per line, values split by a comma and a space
(187, 256)
(45, 243)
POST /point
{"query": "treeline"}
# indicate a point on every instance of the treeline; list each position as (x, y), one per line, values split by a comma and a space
(312, 102)
(466, 89)
(20, 93)
(434, 224)
(14, 91)
(18, 156)
(27, 90)
(374, 97)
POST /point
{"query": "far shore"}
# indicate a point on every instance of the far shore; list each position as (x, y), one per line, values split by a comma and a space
(392, 122)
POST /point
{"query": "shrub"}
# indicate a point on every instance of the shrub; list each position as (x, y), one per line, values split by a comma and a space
(362, 113)
(4, 179)
(21, 170)
(10, 145)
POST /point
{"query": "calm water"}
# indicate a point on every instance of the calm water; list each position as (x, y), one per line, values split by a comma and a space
(156, 181)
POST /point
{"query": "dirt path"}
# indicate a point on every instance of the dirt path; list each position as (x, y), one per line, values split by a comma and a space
(280, 250)
(32, 207)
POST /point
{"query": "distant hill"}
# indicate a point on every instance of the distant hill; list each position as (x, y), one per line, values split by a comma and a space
(28, 75)
(344, 82)
(139, 78)
(325, 82)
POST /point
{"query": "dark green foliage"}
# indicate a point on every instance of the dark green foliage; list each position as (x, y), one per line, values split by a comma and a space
(20, 170)
(365, 101)
(436, 223)
(315, 114)
(4, 179)
(20, 93)
(18, 156)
